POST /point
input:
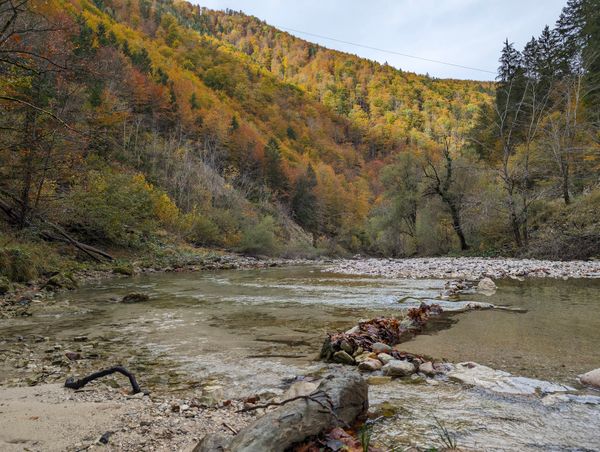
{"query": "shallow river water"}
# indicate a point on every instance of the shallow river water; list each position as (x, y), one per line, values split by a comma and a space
(255, 330)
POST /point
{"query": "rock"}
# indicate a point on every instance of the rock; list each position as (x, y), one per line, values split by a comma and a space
(427, 369)
(364, 356)
(344, 391)
(398, 368)
(379, 347)
(73, 356)
(378, 380)
(343, 357)
(591, 378)
(486, 286)
(384, 358)
(502, 382)
(61, 281)
(135, 297)
(370, 365)
(347, 347)
(125, 269)
(211, 395)
(300, 388)
(75, 339)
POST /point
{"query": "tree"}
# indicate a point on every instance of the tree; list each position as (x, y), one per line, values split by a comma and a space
(274, 174)
(442, 183)
(304, 202)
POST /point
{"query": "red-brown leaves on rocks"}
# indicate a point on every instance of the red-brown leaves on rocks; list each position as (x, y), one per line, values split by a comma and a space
(420, 315)
(389, 331)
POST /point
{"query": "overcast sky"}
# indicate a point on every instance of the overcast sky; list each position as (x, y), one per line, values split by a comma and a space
(464, 32)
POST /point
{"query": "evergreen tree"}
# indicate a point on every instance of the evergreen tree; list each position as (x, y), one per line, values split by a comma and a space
(304, 201)
(274, 174)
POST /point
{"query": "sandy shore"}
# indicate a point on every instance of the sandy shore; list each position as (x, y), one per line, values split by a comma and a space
(52, 418)
(467, 268)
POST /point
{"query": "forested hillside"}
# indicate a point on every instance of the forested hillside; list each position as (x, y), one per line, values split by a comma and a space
(129, 124)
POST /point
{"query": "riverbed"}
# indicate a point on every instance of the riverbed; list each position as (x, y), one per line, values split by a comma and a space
(254, 331)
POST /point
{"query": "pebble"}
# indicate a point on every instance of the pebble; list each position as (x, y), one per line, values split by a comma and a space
(468, 268)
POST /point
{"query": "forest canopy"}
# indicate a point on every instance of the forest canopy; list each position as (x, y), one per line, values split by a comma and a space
(128, 123)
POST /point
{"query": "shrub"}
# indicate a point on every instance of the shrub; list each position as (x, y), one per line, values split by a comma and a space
(18, 264)
(260, 238)
(204, 231)
(119, 209)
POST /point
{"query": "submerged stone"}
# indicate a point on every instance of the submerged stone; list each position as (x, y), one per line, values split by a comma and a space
(135, 298)
(503, 382)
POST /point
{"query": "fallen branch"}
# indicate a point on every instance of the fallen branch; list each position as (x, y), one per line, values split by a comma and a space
(71, 383)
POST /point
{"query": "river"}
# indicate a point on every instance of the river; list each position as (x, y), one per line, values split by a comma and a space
(253, 331)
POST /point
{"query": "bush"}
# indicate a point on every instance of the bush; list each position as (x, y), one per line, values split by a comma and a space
(18, 264)
(118, 209)
(260, 238)
(567, 232)
(204, 232)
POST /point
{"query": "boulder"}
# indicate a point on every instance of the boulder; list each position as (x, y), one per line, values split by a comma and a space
(398, 368)
(370, 365)
(380, 347)
(343, 357)
(486, 286)
(135, 298)
(591, 378)
(340, 398)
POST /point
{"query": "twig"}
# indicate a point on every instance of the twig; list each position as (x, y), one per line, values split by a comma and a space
(311, 397)
(230, 428)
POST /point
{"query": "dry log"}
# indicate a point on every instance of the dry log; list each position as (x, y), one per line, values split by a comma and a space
(340, 398)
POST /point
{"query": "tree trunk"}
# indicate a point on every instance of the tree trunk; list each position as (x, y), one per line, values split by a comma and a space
(341, 397)
(565, 183)
(457, 225)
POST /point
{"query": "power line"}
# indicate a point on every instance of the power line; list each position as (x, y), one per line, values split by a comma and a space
(387, 51)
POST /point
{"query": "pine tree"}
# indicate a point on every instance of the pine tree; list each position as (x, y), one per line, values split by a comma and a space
(274, 174)
(304, 201)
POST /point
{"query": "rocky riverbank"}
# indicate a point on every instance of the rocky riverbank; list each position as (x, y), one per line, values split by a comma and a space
(467, 268)
(52, 418)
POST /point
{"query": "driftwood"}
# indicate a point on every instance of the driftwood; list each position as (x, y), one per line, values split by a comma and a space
(339, 399)
(57, 235)
(71, 383)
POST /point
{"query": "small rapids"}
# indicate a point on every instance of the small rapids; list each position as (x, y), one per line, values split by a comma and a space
(253, 331)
